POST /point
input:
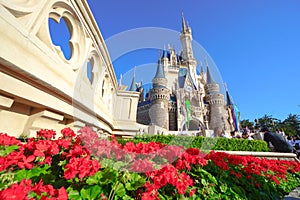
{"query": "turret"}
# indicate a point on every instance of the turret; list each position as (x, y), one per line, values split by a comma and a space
(229, 101)
(159, 97)
(159, 79)
(233, 112)
(215, 99)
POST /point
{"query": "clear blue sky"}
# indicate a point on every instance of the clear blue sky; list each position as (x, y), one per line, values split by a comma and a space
(254, 43)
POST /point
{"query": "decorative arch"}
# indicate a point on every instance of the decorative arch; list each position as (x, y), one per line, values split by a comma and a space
(194, 124)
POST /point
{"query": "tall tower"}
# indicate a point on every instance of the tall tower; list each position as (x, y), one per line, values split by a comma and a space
(215, 99)
(159, 97)
(187, 50)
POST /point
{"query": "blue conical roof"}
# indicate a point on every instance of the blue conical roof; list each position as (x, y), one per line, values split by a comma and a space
(228, 99)
(159, 71)
(133, 86)
(209, 79)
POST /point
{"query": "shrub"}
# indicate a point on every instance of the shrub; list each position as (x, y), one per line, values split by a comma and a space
(203, 143)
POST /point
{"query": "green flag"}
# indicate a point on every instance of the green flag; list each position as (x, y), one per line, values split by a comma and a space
(188, 111)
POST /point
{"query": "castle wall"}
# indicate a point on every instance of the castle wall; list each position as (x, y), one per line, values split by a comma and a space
(40, 88)
(143, 115)
(172, 116)
(159, 110)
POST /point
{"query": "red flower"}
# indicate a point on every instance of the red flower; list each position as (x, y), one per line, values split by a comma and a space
(68, 133)
(26, 162)
(46, 134)
(6, 140)
(82, 167)
(236, 174)
(62, 194)
(192, 192)
(142, 166)
(16, 191)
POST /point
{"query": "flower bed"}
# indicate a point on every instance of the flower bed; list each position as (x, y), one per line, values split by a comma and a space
(85, 167)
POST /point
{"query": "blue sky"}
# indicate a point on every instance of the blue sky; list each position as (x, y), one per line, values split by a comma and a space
(254, 43)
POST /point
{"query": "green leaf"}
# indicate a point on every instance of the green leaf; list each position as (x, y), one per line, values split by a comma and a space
(73, 194)
(135, 181)
(126, 197)
(118, 165)
(8, 149)
(95, 179)
(109, 176)
(203, 181)
(223, 188)
(107, 163)
(92, 192)
(34, 172)
(120, 190)
(62, 163)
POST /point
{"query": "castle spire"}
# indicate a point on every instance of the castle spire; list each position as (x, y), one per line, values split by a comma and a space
(229, 100)
(201, 68)
(133, 86)
(184, 27)
(209, 79)
(159, 71)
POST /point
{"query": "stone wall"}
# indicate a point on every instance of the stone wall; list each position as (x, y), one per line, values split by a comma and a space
(40, 88)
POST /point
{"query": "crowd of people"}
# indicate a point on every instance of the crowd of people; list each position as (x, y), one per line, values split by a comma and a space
(277, 141)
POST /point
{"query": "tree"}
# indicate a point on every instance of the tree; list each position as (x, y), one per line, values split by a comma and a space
(269, 121)
(291, 125)
(246, 123)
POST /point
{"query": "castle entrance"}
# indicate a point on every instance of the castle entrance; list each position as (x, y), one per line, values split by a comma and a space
(194, 125)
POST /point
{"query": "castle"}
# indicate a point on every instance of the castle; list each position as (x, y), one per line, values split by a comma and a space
(182, 99)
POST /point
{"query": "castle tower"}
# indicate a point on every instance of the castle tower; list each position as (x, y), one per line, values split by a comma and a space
(159, 97)
(186, 41)
(187, 50)
(217, 113)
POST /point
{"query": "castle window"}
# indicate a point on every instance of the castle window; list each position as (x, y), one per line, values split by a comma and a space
(62, 37)
(103, 87)
(89, 71)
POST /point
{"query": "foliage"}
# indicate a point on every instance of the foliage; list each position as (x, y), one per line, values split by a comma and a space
(268, 121)
(291, 125)
(246, 123)
(84, 166)
(203, 143)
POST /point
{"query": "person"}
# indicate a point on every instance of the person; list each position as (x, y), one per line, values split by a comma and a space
(289, 140)
(281, 132)
(277, 141)
(232, 134)
(296, 142)
(245, 135)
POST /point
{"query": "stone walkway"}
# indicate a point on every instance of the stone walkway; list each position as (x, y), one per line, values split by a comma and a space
(294, 195)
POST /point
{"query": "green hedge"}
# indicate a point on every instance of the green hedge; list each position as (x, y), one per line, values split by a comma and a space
(204, 143)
